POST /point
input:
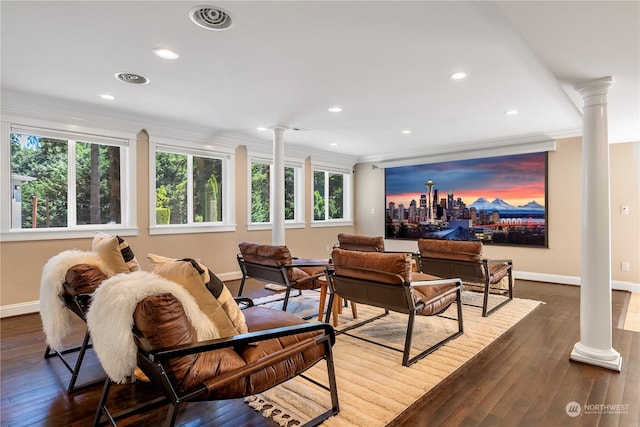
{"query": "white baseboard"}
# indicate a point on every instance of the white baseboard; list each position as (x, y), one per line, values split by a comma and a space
(234, 275)
(34, 306)
(20, 308)
(618, 285)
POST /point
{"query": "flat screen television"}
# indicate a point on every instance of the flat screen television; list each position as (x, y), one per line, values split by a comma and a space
(498, 200)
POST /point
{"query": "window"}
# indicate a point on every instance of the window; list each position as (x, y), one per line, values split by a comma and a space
(191, 189)
(260, 181)
(331, 196)
(62, 181)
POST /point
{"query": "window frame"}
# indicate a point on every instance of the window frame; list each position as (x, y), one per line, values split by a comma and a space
(226, 154)
(298, 165)
(68, 132)
(347, 186)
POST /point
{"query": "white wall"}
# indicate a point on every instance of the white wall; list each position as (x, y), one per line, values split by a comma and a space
(560, 262)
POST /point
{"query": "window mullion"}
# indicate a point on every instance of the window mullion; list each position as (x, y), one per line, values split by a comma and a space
(190, 213)
(71, 184)
(326, 196)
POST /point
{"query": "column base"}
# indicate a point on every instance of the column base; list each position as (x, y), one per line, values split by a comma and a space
(609, 359)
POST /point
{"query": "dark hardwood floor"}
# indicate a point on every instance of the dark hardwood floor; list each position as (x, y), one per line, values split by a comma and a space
(525, 378)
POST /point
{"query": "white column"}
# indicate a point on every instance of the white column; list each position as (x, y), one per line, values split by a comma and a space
(595, 290)
(277, 204)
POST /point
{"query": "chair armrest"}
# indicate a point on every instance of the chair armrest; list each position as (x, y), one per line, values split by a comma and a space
(457, 281)
(81, 295)
(303, 262)
(244, 300)
(413, 254)
(508, 261)
(242, 339)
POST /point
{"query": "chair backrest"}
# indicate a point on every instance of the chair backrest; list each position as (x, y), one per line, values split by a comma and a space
(355, 242)
(160, 321)
(80, 281)
(265, 262)
(373, 278)
(452, 258)
(228, 371)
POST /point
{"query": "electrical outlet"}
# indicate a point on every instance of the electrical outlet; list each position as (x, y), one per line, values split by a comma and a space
(624, 266)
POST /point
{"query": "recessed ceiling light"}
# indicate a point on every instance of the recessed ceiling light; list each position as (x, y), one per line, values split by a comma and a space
(511, 112)
(334, 144)
(459, 75)
(335, 109)
(165, 53)
(132, 78)
(261, 128)
(406, 131)
(107, 96)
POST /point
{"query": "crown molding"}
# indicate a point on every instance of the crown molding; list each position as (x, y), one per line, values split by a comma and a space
(38, 107)
(26, 105)
(472, 150)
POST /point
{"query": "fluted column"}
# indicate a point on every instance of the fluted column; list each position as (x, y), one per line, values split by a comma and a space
(277, 204)
(595, 289)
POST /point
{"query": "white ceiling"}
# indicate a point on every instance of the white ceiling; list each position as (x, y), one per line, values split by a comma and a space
(387, 63)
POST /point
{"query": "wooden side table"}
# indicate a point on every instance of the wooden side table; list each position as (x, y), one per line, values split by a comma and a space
(337, 303)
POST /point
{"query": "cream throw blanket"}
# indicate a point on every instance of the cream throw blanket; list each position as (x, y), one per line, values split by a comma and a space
(56, 319)
(110, 318)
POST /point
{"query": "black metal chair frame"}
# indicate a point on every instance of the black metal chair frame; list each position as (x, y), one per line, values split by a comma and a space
(391, 297)
(151, 362)
(471, 272)
(271, 274)
(78, 304)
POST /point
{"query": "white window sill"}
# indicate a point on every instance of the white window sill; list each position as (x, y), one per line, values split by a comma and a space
(332, 223)
(268, 226)
(65, 233)
(190, 229)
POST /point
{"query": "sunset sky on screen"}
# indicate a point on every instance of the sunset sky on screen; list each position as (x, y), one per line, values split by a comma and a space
(517, 180)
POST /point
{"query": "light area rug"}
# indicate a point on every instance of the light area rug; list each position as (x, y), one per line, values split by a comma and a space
(373, 386)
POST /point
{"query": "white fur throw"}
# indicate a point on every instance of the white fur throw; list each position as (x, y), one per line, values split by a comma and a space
(56, 318)
(110, 318)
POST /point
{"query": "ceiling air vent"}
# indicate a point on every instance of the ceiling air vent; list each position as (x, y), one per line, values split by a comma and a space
(210, 17)
(135, 79)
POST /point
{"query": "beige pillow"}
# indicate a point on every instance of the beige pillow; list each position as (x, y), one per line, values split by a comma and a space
(115, 252)
(211, 294)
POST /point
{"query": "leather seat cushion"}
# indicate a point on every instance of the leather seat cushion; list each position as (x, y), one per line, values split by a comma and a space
(497, 271)
(436, 298)
(231, 372)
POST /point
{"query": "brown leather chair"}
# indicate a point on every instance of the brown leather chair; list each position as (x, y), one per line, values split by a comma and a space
(81, 280)
(385, 280)
(464, 259)
(278, 347)
(274, 264)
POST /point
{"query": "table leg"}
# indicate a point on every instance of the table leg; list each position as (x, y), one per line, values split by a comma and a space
(336, 309)
(323, 297)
